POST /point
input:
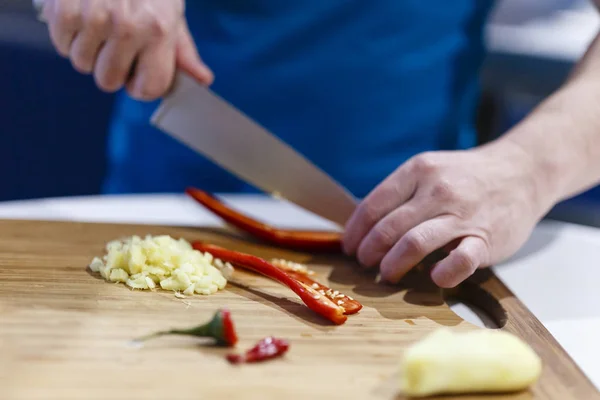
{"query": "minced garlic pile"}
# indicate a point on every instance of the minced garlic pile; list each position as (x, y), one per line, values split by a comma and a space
(164, 261)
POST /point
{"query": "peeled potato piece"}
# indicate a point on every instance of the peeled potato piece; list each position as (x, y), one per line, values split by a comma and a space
(480, 361)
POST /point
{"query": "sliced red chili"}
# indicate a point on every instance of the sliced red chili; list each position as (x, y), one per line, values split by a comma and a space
(291, 266)
(293, 239)
(265, 349)
(349, 305)
(313, 299)
(301, 273)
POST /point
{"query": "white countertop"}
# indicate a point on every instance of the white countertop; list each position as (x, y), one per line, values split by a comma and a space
(551, 29)
(547, 29)
(554, 274)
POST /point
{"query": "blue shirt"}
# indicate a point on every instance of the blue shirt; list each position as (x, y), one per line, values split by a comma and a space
(357, 86)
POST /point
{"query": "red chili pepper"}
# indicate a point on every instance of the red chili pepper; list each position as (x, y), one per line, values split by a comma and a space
(294, 239)
(349, 305)
(265, 349)
(220, 328)
(291, 266)
(313, 299)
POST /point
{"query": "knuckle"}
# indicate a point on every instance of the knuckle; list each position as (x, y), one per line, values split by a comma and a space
(464, 261)
(365, 256)
(466, 208)
(125, 28)
(444, 191)
(425, 163)
(384, 234)
(97, 20)
(368, 213)
(157, 26)
(67, 18)
(414, 242)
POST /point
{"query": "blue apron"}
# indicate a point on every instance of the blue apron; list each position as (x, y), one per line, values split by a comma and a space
(357, 86)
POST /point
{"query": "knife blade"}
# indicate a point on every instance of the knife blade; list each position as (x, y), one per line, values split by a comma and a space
(202, 120)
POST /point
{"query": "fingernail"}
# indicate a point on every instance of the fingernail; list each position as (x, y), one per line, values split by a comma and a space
(393, 276)
(390, 279)
(346, 248)
(205, 72)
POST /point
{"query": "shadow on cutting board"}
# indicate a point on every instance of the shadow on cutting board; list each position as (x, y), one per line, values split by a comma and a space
(294, 309)
(417, 289)
(393, 302)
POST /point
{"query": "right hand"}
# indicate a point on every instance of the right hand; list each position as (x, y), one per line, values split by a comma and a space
(136, 44)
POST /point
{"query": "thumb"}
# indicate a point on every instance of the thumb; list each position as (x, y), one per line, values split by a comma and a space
(189, 60)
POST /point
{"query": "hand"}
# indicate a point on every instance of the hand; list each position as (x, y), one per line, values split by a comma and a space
(133, 43)
(485, 200)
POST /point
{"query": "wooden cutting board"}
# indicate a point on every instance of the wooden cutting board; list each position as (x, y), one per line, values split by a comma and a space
(64, 332)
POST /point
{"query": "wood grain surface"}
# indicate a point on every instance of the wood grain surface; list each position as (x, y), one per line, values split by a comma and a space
(65, 333)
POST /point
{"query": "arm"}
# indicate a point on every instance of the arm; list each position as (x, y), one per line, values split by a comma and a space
(481, 205)
(562, 135)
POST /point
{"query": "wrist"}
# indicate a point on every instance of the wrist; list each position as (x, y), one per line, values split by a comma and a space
(531, 173)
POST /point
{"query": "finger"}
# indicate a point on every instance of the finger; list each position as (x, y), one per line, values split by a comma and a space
(114, 64)
(64, 21)
(189, 60)
(390, 229)
(417, 244)
(461, 263)
(154, 71)
(87, 43)
(390, 194)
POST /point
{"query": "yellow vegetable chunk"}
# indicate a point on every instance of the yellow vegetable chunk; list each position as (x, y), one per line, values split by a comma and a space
(481, 361)
(161, 261)
(118, 275)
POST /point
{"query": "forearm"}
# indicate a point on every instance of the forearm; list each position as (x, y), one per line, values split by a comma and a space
(561, 137)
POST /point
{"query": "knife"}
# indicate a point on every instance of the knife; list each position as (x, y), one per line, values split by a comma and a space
(200, 119)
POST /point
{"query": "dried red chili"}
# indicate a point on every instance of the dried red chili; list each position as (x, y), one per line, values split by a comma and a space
(313, 299)
(293, 239)
(265, 349)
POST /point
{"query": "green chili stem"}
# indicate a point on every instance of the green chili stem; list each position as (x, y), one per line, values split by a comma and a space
(220, 327)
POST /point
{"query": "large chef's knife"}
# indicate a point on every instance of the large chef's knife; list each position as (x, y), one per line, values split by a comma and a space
(202, 120)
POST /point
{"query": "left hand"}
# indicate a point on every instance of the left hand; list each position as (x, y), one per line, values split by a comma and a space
(486, 199)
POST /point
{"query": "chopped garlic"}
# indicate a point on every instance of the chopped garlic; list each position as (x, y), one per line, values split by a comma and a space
(150, 283)
(162, 261)
(118, 275)
(190, 290)
(227, 270)
(447, 362)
